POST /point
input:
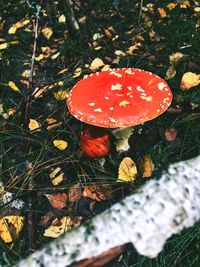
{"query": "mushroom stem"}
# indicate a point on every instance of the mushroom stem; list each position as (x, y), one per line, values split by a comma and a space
(122, 136)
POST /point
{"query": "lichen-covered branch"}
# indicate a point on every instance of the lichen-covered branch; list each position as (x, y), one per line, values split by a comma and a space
(146, 219)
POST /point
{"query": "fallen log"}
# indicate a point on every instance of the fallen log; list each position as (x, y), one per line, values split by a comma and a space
(147, 219)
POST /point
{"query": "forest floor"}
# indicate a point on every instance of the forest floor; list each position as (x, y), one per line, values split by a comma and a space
(47, 185)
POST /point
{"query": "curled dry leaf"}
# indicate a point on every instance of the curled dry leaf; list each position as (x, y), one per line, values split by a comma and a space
(96, 63)
(56, 176)
(170, 134)
(10, 227)
(127, 170)
(60, 144)
(98, 193)
(146, 166)
(58, 200)
(190, 80)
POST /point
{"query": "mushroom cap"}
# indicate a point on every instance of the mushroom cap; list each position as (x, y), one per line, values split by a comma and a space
(119, 98)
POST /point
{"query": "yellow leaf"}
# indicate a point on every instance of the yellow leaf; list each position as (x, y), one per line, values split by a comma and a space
(12, 30)
(13, 86)
(190, 80)
(55, 55)
(60, 95)
(56, 176)
(62, 19)
(146, 166)
(12, 111)
(33, 124)
(40, 57)
(127, 170)
(96, 63)
(18, 25)
(170, 73)
(185, 4)
(77, 72)
(162, 12)
(59, 227)
(60, 144)
(62, 71)
(10, 227)
(171, 6)
(47, 32)
(3, 46)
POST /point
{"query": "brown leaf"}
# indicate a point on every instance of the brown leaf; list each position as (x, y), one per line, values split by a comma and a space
(98, 193)
(170, 134)
(58, 200)
(75, 193)
(47, 219)
(146, 166)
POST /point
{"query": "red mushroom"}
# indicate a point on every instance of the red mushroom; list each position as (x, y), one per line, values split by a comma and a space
(95, 143)
(119, 98)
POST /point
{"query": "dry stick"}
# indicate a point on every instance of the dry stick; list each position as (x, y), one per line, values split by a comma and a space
(146, 219)
(25, 118)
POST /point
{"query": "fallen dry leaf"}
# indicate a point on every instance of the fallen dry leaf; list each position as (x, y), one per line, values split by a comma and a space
(60, 95)
(175, 57)
(13, 86)
(47, 32)
(10, 227)
(77, 72)
(98, 193)
(96, 63)
(190, 80)
(60, 144)
(127, 170)
(52, 123)
(59, 227)
(33, 124)
(146, 166)
(58, 200)
(170, 73)
(75, 193)
(56, 176)
(170, 134)
(3, 46)
(162, 12)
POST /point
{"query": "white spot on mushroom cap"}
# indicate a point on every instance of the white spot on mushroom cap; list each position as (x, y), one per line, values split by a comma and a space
(98, 110)
(106, 97)
(117, 86)
(111, 108)
(129, 88)
(124, 103)
(129, 71)
(161, 86)
(139, 89)
(112, 120)
(147, 98)
(115, 74)
(92, 104)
